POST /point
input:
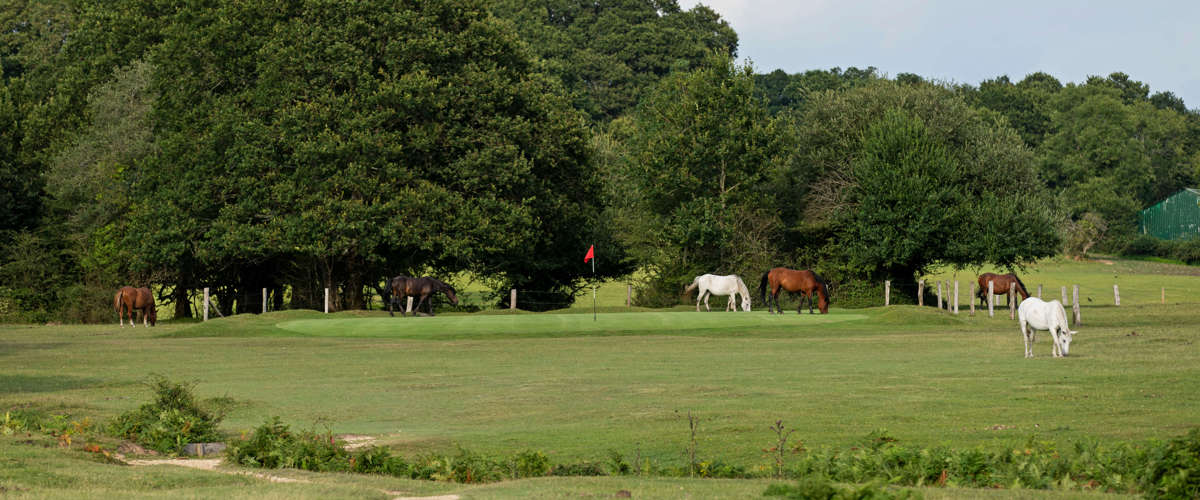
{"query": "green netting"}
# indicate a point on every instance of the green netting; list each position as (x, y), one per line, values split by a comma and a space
(1174, 218)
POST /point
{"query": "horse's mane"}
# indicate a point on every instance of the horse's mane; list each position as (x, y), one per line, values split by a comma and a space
(1022, 285)
(824, 285)
(441, 285)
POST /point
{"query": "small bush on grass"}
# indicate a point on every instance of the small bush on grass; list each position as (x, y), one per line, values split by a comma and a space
(172, 420)
(1173, 470)
(821, 488)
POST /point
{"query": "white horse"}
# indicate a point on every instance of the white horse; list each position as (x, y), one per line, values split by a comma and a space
(711, 284)
(1037, 314)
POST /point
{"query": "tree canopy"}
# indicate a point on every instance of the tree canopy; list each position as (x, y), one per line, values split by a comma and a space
(312, 144)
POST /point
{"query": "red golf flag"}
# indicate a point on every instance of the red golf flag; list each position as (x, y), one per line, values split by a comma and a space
(591, 254)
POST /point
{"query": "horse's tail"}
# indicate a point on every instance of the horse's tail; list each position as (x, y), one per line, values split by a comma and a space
(689, 288)
(117, 301)
(1024, 291)
(762, 287)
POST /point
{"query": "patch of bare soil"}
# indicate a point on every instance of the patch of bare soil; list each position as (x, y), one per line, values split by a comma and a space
(356, 441)
(206, 464)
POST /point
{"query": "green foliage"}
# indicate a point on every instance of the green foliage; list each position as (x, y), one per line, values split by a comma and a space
(607, 54)
(698, 149)
(1186, 250)
(907, 199)
(932, 178)
(821, 488)
(171, 421)
(273, 445)
(1173, 470)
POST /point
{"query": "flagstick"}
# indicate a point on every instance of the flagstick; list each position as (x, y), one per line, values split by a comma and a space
(593, 288)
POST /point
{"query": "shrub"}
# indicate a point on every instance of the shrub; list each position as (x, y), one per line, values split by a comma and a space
(1145, 246)
(861, 293)
(658, 293)
(1173, 470)
(822, 488)
(1188, 251)
(530, 463)
(273, 445)
(87, 304)
(172, 420)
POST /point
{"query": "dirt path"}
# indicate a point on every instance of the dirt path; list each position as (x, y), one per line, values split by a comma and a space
(207, 464)
(211, 464)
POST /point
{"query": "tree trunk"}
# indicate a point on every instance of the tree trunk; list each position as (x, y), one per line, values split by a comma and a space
(183, 306)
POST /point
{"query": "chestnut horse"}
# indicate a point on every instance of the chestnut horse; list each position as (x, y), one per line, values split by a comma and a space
(403, 287)
(129, 298)
(1001, 283)
(804, 281)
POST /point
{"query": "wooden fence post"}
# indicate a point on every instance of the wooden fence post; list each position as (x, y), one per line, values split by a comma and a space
(327, 300)
(947, 296)
(1116, 295)
(408, 309)
(264, 300)
(1064, 294)
(971, 297)
(939, 294)
(955, 296)
(991, 298)
(921, 292)
(1075, 303)
(887, 293)
(1039, 290)
(1012, 302)
(512, 298)
(205, 303)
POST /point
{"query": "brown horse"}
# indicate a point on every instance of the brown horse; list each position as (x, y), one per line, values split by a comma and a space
(403, 287)
(1001, 283)
(129, 299)
(804, 281)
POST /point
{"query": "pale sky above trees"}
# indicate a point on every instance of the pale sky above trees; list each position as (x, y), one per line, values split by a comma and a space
(1155, 42)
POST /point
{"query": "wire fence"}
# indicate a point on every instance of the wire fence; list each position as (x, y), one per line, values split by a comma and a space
(950, 295)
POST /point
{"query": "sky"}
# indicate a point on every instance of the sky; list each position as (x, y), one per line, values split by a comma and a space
(1155, 42)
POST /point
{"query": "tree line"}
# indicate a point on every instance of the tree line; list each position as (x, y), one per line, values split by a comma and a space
(299, 145)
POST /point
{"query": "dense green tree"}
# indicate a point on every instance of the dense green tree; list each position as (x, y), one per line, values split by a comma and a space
(31, 34)
(908, 176)
(791, 92)
(699, 147)
(1024, 105)
(1111, 152)
(338, 143)
(607, 52)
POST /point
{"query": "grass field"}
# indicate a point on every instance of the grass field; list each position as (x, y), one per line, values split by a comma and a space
(575, 388)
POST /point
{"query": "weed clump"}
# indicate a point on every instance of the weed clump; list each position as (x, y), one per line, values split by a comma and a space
(171, 421)
(1173, 470)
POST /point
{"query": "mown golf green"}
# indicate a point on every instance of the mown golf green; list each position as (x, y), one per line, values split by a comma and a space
(577, 388)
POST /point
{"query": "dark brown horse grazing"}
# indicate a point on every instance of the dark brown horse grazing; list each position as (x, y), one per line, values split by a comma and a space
(1001, 283)
(804, 281)
(403, 287)
(129, 298)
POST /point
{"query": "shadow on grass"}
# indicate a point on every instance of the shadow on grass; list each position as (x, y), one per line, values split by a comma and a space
(10, 384)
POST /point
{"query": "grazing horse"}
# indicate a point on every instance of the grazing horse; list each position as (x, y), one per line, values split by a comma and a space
(403, 287)
(129, 298)
(1037, 314)
(803, 281)
(711, 284)
(1001, 283)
